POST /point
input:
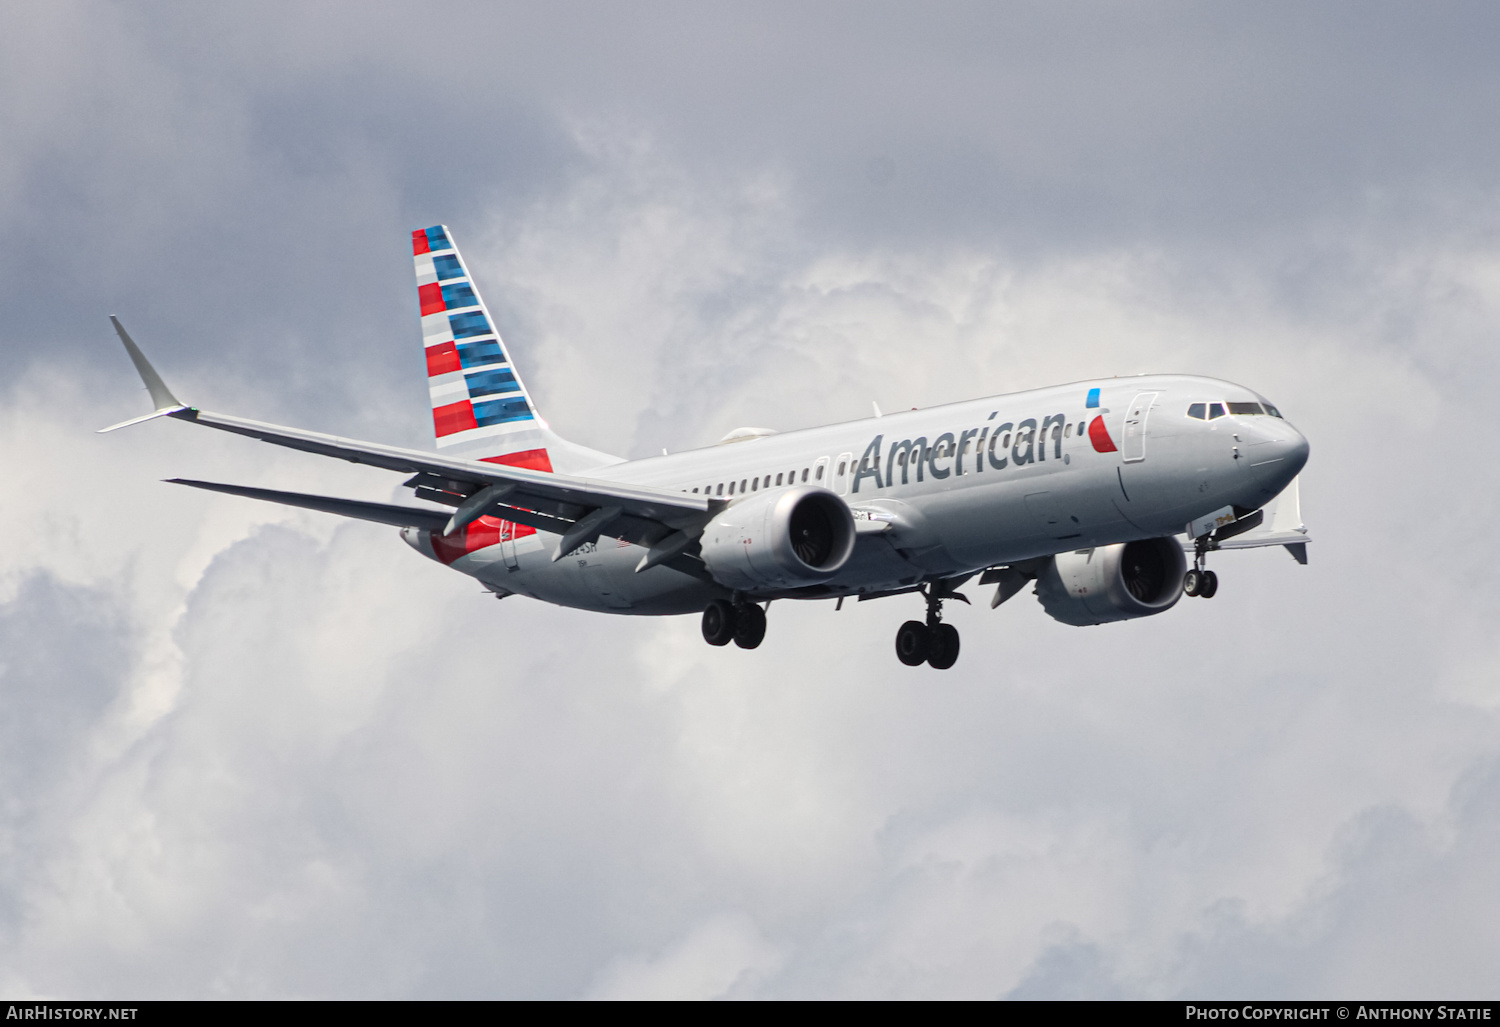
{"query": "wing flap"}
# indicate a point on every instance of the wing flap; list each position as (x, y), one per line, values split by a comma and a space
(560, 495)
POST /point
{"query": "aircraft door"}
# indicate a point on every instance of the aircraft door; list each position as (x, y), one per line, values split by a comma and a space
(1133, 446)
(843, 470)
(820, 473)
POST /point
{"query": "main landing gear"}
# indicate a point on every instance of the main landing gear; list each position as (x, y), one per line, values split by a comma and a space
(1199, 582)
(933, 643)
(742, 623)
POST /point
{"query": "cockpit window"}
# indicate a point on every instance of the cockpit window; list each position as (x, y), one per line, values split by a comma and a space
(1239, 409)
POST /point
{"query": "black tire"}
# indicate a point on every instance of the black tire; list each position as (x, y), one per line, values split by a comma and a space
(718, 622)
(1192, 582)
(1210, 585)
(912, 642)
(749, 626)
(943, 651)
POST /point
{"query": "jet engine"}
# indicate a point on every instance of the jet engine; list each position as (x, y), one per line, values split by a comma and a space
(1110, 583)
(782, 539)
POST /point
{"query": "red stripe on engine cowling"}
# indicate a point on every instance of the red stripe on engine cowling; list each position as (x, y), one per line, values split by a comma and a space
(1099, 436)
(431, 298)
(530, 459)
(442, 359)
(454, 417)
(419, 242)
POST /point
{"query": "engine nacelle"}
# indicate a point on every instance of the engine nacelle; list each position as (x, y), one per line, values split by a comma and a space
(782, 539)
(1110, 583)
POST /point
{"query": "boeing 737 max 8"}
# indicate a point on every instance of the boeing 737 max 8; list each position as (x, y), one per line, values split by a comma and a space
(1096, 491)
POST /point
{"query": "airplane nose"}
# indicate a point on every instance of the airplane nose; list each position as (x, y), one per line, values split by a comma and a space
(1298, 449)
(1276, 450)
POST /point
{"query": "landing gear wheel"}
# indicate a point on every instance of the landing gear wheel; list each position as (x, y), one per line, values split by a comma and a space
(943, 646)
(1192, 582)
(912, 643)
(718, 622)
(749, 626)
(1209, 586)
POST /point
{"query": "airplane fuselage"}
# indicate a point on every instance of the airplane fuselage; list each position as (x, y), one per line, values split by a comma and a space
(941, 492)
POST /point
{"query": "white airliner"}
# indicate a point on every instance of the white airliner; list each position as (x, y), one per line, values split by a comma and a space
(1093, 490)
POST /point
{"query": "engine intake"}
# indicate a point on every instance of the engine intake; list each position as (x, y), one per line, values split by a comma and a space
(783, 539)
(1110, 583)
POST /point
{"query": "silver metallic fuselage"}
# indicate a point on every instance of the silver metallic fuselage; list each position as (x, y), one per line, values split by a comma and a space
(967, 502)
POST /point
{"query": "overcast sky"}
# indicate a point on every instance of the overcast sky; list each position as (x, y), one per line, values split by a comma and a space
(255, 752)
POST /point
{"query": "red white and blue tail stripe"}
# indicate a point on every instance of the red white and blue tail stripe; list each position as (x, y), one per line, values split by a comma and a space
(478, 399)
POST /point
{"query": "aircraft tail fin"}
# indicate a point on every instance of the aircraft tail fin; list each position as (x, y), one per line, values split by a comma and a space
(480, 407)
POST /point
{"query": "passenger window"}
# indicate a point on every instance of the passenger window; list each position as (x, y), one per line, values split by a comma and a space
(1215, 410)
(1068, 431)
(742, 485)
(804, 474)
(1080, 427)
(731, 488)
(841, 467)
(1197, 410)
(721, 488)
(695, 491)
(778, 479)
(1244, 408)
(754, 484)
(819, 475)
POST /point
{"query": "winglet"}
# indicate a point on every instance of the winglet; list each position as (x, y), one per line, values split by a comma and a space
(166, 403)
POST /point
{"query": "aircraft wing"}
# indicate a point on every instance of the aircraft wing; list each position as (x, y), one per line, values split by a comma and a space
(380, 513)
(1278, 523)
(579, 508)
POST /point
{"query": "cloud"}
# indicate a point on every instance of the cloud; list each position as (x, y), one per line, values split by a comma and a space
(715, 959)
(253, 751)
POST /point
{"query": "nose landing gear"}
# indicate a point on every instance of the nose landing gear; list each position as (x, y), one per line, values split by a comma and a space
(934, 642)
(1199, 582)
(742, 623)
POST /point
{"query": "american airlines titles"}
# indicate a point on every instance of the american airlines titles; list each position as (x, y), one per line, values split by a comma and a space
(970, 451)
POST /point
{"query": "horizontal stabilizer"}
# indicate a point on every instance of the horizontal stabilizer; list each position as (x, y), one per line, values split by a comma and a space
(381, 513)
